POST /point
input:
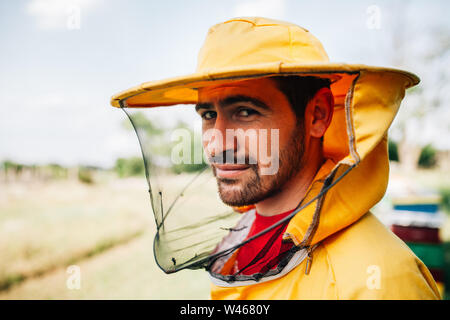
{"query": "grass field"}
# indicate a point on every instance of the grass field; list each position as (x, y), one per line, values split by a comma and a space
(126, 271)
(107, 230)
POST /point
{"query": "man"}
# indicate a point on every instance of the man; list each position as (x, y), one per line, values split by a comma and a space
(310, 234)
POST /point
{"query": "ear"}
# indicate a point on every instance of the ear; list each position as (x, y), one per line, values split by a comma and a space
(319, 112)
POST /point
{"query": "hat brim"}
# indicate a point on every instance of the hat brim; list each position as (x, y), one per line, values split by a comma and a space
(183, 90)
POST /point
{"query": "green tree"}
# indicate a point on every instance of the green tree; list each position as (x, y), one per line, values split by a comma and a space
(126, 167)
(427, 158)
(445, 199)
(141, 122)
(157, 147)
(85, 175)
(424, 105)
(191, 166)
(393, 150)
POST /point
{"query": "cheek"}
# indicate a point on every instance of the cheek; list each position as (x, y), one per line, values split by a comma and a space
(206, 125)
(251, 146)
(207, 138)
(285, 127)
(269, 139)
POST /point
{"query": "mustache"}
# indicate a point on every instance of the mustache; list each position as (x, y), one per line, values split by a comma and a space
(230, 157)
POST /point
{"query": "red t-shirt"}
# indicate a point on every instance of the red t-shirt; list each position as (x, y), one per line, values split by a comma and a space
(249, 251)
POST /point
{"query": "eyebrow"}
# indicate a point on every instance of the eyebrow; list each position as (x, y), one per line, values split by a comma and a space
(199, 106)
(232, 100)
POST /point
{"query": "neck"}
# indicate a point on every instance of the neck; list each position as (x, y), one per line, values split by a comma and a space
(295, 189)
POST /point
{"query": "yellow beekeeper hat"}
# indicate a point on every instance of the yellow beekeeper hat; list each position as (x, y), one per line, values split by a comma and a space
(245, 48)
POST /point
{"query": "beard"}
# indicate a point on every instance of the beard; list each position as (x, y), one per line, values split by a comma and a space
(257, 187)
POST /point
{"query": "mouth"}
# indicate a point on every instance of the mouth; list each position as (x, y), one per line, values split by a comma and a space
(229, 171)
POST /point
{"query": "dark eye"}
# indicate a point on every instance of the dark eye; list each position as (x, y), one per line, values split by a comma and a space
(208, 115)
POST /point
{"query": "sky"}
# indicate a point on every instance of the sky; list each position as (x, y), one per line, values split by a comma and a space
(62, 60)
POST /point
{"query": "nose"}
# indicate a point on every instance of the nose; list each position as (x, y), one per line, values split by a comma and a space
(220, 141)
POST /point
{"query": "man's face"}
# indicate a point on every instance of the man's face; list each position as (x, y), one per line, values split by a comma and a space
(247, 109)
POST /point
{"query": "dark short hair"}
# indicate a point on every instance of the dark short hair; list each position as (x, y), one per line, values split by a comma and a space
(299, 90)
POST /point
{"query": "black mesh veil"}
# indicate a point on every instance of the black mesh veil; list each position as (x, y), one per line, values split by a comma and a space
(194, 229)
(190, 218)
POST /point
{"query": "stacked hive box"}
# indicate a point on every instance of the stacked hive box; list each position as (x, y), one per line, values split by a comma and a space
(417, 222)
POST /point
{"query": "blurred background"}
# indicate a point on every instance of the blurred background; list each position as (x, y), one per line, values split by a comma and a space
(75, 218)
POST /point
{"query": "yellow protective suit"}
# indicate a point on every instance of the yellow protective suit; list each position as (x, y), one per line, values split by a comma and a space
(356, 256)
(351, 254)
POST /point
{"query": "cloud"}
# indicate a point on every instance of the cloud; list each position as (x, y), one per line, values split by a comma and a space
(59, 14)
(264, 8)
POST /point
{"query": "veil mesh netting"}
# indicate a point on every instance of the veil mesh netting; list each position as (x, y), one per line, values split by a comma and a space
(194, 228)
